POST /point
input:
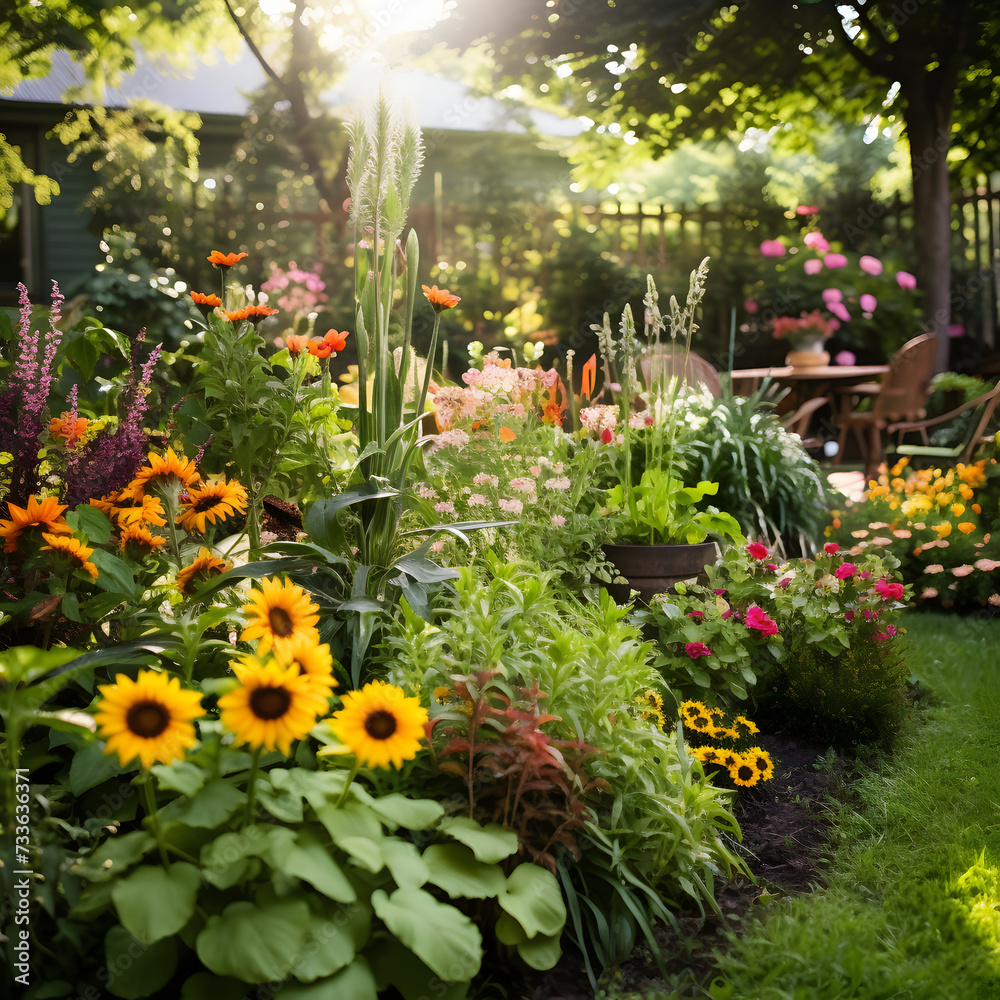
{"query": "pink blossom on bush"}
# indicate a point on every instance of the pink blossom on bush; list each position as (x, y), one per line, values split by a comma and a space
(840, 311)
(906, 280)
(835, 260)
(751, 306)
(816, 241)
(868, 302)
(890, 590)
(696, 614)
(845, 358)
(807, 209)
(870, 265)
(758, 619)
(513, 506)
(558, 520)
(845, 571)
(758, 551)
(696, 649)
(813, 266)
(830, 548)
(772, 248)
(832, 295)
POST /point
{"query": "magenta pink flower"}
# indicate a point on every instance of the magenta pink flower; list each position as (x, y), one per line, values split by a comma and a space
(835, 260)
(849, 615)
(751, 306)
(772, 248)
(696, 614)
(870, 265)
(845, 358)
(868, 302)
(871, 614)
(696, 649)
(830, 548)
(758, 551)
(807, 209)
(832, 295)
(757, 618)
(816, 241)
(906, 280)
(845, 571)
(813, 266)
(889, 590)
(840, 311)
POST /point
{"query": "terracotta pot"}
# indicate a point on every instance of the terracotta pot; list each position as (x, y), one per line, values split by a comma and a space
(654, 569)
(808, 353)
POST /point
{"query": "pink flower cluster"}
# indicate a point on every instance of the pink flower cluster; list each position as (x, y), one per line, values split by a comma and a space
(304, 290)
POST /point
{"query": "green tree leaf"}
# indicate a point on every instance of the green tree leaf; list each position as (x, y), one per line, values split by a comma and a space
(135, 969)
(490, 843)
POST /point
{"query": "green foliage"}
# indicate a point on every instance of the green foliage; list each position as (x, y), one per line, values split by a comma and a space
(767, 481)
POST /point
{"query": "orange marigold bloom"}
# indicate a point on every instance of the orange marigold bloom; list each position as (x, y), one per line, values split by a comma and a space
(45, 513)
(219, 259)
(67, 428)
(440, 298)
(206, 300)
(253, 313)
(296, 343)
(966, 526)
(71, 547)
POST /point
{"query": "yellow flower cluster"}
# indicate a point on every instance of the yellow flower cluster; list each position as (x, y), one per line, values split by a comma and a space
(746, 767)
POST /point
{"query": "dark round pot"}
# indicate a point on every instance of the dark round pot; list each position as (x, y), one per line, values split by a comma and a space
(654, 569)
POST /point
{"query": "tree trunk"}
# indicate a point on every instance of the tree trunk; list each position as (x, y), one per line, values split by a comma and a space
(929, 101)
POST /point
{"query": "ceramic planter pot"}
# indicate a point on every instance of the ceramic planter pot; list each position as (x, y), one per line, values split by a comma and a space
(655, 569)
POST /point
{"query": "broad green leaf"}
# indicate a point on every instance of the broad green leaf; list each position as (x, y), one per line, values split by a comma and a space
(454, 868)
(92, 522)
(490, 843)
(135, 969)
(404, 862)
(278, 799)
(533, 898)
(336, 934)
(356, 830)
(509, 931)
(91, 766)
(442, 937)
(112, 573)
(209, 807)
(356, 982)
(541, 952)
(306, 858)
(254, 943)
(122, 851)
(155, 902)
(180, 776)
(397, 810)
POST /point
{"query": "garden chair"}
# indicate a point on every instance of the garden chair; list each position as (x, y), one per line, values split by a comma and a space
(900, 396)
(669, 361)
(980, 413)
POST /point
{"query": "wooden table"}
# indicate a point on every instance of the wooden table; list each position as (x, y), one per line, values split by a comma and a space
(804, 382)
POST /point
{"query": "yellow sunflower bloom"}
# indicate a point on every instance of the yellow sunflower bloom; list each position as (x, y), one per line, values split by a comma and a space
(45, 513)
(743, 772)
(278, 613)
(761, 760)
(73, 549)
(150, 718)
(162, 469)
(203, 568)
(742, 720)
(141, 537)
(273, 706)
(212, 501)
(144, 510)
(311, 659)
(380, 725)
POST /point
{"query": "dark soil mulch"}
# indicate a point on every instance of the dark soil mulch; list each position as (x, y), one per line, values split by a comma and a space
(785, 825)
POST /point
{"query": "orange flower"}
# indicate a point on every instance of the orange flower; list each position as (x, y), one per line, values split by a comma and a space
(141, 536)
(588, 376)
(73, 548)
(45, 513)
(160, 471)
(219, 259)
(67, 428)
(336, 340)
(966, 526)
(252, 313)
(205, 303)
(296, 343)
(943, 530)
(440, 298)
(506, 434)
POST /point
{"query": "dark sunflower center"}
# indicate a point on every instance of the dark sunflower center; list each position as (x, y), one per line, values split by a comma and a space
(281, 622)
(147, 719)
(270, 702)
(206, 503)
(745, 773)
(380, 725)
(699, 722)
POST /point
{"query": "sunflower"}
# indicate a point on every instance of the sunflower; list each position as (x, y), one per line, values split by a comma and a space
(279, 613)
(273, 705)
(149, 718)
(129, 511)
(203, 568)
(751, 727)
(707, 755)
(743, 772)
(761, 761)
(380, 725)
(210, 502)
(691, 708)
(161, 469)
(71, 547)
(313, 661)
(45, 513)
(139, 535)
